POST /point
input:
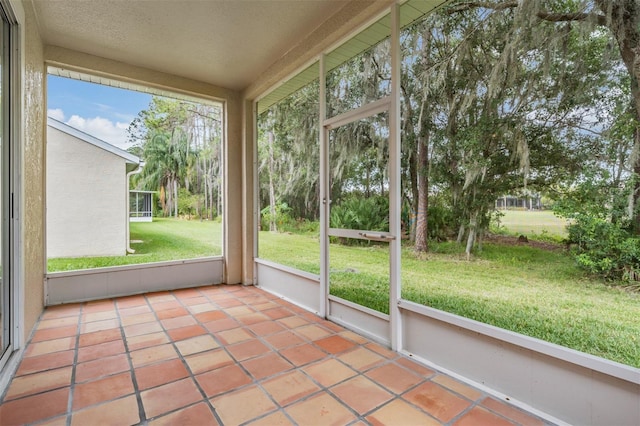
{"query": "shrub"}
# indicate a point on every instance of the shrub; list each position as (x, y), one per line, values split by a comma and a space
(283, 219)
(306, 226)
(441, 221)
(370, 213)
(188, 203)
(605, 248)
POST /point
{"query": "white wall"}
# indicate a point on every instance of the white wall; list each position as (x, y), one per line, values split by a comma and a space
(116, 281)
(86, 198)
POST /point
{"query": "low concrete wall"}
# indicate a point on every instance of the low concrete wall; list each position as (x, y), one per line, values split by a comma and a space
(104, 283)
(568, 385)
(367, 322)
(557, 383)
(298, 287)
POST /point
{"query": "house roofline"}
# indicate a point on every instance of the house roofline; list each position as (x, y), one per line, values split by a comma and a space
(65, 128)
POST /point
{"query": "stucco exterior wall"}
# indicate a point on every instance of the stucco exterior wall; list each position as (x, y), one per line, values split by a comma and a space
(232, 181)
(33, 167)
(248, 200)
(86, 199)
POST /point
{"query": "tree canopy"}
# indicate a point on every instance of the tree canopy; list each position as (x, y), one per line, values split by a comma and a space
(181, 146)
(499, 98)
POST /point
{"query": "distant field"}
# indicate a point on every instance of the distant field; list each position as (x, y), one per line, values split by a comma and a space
(533, 222)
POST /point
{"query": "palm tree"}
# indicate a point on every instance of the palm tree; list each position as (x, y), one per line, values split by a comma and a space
(166, 157)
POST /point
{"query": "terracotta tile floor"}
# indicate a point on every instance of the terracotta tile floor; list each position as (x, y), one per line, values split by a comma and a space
(226, 355)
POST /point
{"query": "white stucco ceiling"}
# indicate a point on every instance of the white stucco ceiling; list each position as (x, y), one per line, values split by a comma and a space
(223, 42)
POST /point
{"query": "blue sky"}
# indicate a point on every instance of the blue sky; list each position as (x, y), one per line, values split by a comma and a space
(101, 111)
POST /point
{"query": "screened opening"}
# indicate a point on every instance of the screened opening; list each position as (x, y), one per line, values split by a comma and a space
(141, 206)
(359, 71)
(289, 178)
(133, 174)
(518, 174)
(359, 188)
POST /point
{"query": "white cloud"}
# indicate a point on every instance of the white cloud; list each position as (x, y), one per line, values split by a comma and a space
(102, 128)
(56, 114)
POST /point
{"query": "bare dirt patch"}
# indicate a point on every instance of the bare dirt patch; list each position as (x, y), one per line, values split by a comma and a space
(508, 240)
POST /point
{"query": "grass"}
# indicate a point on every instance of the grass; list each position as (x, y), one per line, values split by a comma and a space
(539, 293)
(535, 292)
(160, 240)
(300, 251)
(530, 291)
(533, 223)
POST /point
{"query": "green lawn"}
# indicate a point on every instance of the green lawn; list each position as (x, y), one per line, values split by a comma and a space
(531, 291)
(535, 292)
(162, 239)
(532, 223)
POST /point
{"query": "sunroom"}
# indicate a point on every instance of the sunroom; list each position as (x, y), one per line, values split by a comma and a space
(247, 57)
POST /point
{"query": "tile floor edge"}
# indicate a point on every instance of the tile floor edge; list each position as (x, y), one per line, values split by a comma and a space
(486, 389)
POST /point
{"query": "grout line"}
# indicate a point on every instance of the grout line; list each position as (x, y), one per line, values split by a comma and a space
(29, 341)
(136, 389)
(464, 412)
(280, 408)
(186, 364)
(258, 382)
(248, 298)
(72, 384)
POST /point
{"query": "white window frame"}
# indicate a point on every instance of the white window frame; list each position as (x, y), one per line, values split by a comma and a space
(12, 164)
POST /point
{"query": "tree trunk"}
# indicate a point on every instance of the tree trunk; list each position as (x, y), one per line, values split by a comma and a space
(473, 222)
(367, 188)
(205, 189)
(210, 181)
(169, 193)
(634, 210)
(211, 187)
(422, 171)
(460, 234)
(217, 179)
(175, 194)
(413, 207)
(272, 192)
(422, 232)
(218, 201)
(163, 200)
(413, 168)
